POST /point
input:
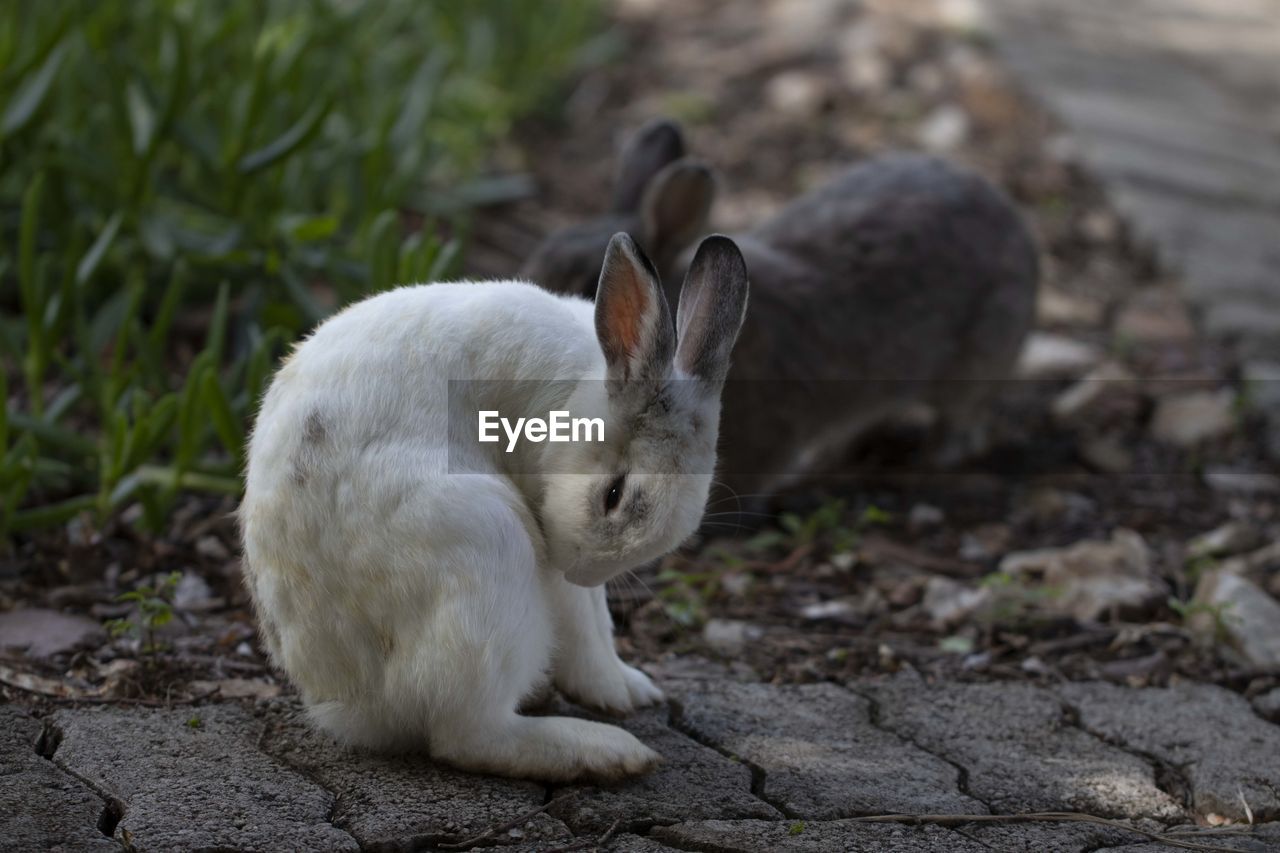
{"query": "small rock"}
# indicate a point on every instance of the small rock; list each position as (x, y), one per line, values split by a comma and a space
(948, 602)
(1091, 390)
(865, 73)
(844, 561)
(805, 23)
(192, 593)
(1233, 537)
(1187, 420)
(729, 637)
(798, 93)
(1222, 479)
(1093, 577)
(822, 610)
(927, 79)
(1262, 386)
(852, 608)
(1244, 612)
(964, 16)
(736, 584)
(1048, 505)
(985, 541)
(1100, 226)
(1050, 356)
(924, 517)
(1107, 453)
(1154, 315)
(1255, 563)
(212, 548)
(944, 130)
(1055, 308)
(1268, 704)
(44, 633)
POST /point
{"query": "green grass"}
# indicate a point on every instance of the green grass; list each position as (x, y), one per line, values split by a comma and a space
(185, 187)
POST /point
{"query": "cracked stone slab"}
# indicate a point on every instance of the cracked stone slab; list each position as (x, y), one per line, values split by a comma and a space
(194, 779)
(1264, 838)
(41, 806)
(694, 782)
(820, 754)
(1053, 837)
(798, 836)
(405, 801)
(1020, 752)
(1208, 733)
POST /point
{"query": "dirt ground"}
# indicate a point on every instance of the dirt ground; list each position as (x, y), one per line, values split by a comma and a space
(928, 570)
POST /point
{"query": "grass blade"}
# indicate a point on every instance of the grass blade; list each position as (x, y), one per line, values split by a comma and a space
(89, 263)
(31, 94)
(286, 143)
(225, 423)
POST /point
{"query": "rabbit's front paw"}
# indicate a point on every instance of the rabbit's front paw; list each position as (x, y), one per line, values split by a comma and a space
(609, 686)
(641, 688)
(619, 755)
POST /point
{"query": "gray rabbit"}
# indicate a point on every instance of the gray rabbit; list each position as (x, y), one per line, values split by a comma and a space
(903, 281)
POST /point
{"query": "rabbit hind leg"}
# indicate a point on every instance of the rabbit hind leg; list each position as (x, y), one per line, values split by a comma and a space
(482, 651)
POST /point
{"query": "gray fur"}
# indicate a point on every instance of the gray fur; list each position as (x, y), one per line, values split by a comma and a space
(904, 280)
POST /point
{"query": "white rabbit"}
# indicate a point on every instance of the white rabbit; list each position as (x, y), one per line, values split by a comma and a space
(416, 586)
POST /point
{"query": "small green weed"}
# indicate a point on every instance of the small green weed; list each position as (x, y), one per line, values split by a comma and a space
(154, 610)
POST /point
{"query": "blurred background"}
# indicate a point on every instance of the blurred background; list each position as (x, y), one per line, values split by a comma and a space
(186, 188)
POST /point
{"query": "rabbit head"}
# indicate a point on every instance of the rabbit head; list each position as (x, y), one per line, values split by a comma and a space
(661, 394)
(661, 198)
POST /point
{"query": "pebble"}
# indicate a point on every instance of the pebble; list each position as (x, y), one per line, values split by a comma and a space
(1087, 394)
(1234, 537)
(1262, 384)
(1268, 704)
(729, 637)
(1188, 420)
(944, 130)
(924, 516)
(949, 602)
(1052, 356)
(1223, 479)
(1092, 577)
(1243, 612)
(1154, 315)
(797, 93)
(1107, 453)
(1056, 308)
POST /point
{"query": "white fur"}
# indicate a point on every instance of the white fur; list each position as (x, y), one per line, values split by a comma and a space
(417, 607)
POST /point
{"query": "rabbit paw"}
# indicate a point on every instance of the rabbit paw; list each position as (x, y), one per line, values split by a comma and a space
(641, 688)
(611, 687)
(618, 755)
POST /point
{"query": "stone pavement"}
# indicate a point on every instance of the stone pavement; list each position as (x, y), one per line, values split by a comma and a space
(748, 766)
(1176, 105)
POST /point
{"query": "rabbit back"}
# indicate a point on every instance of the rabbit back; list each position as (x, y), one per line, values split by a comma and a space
(904, 280)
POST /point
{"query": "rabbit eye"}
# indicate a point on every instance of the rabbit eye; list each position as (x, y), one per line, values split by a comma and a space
(613, 497)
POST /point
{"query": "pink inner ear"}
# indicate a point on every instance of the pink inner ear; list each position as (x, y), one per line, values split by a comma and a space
(625, 309)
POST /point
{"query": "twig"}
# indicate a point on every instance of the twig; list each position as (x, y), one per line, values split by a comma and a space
(584, 843)
(90, 699)
(1072, 642)
(510, 824)
(1036, 817)
(213, 661)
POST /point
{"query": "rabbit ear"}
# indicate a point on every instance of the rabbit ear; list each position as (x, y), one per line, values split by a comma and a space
(633, 321)
(676, 208)
(713, 304)
(655, 145)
